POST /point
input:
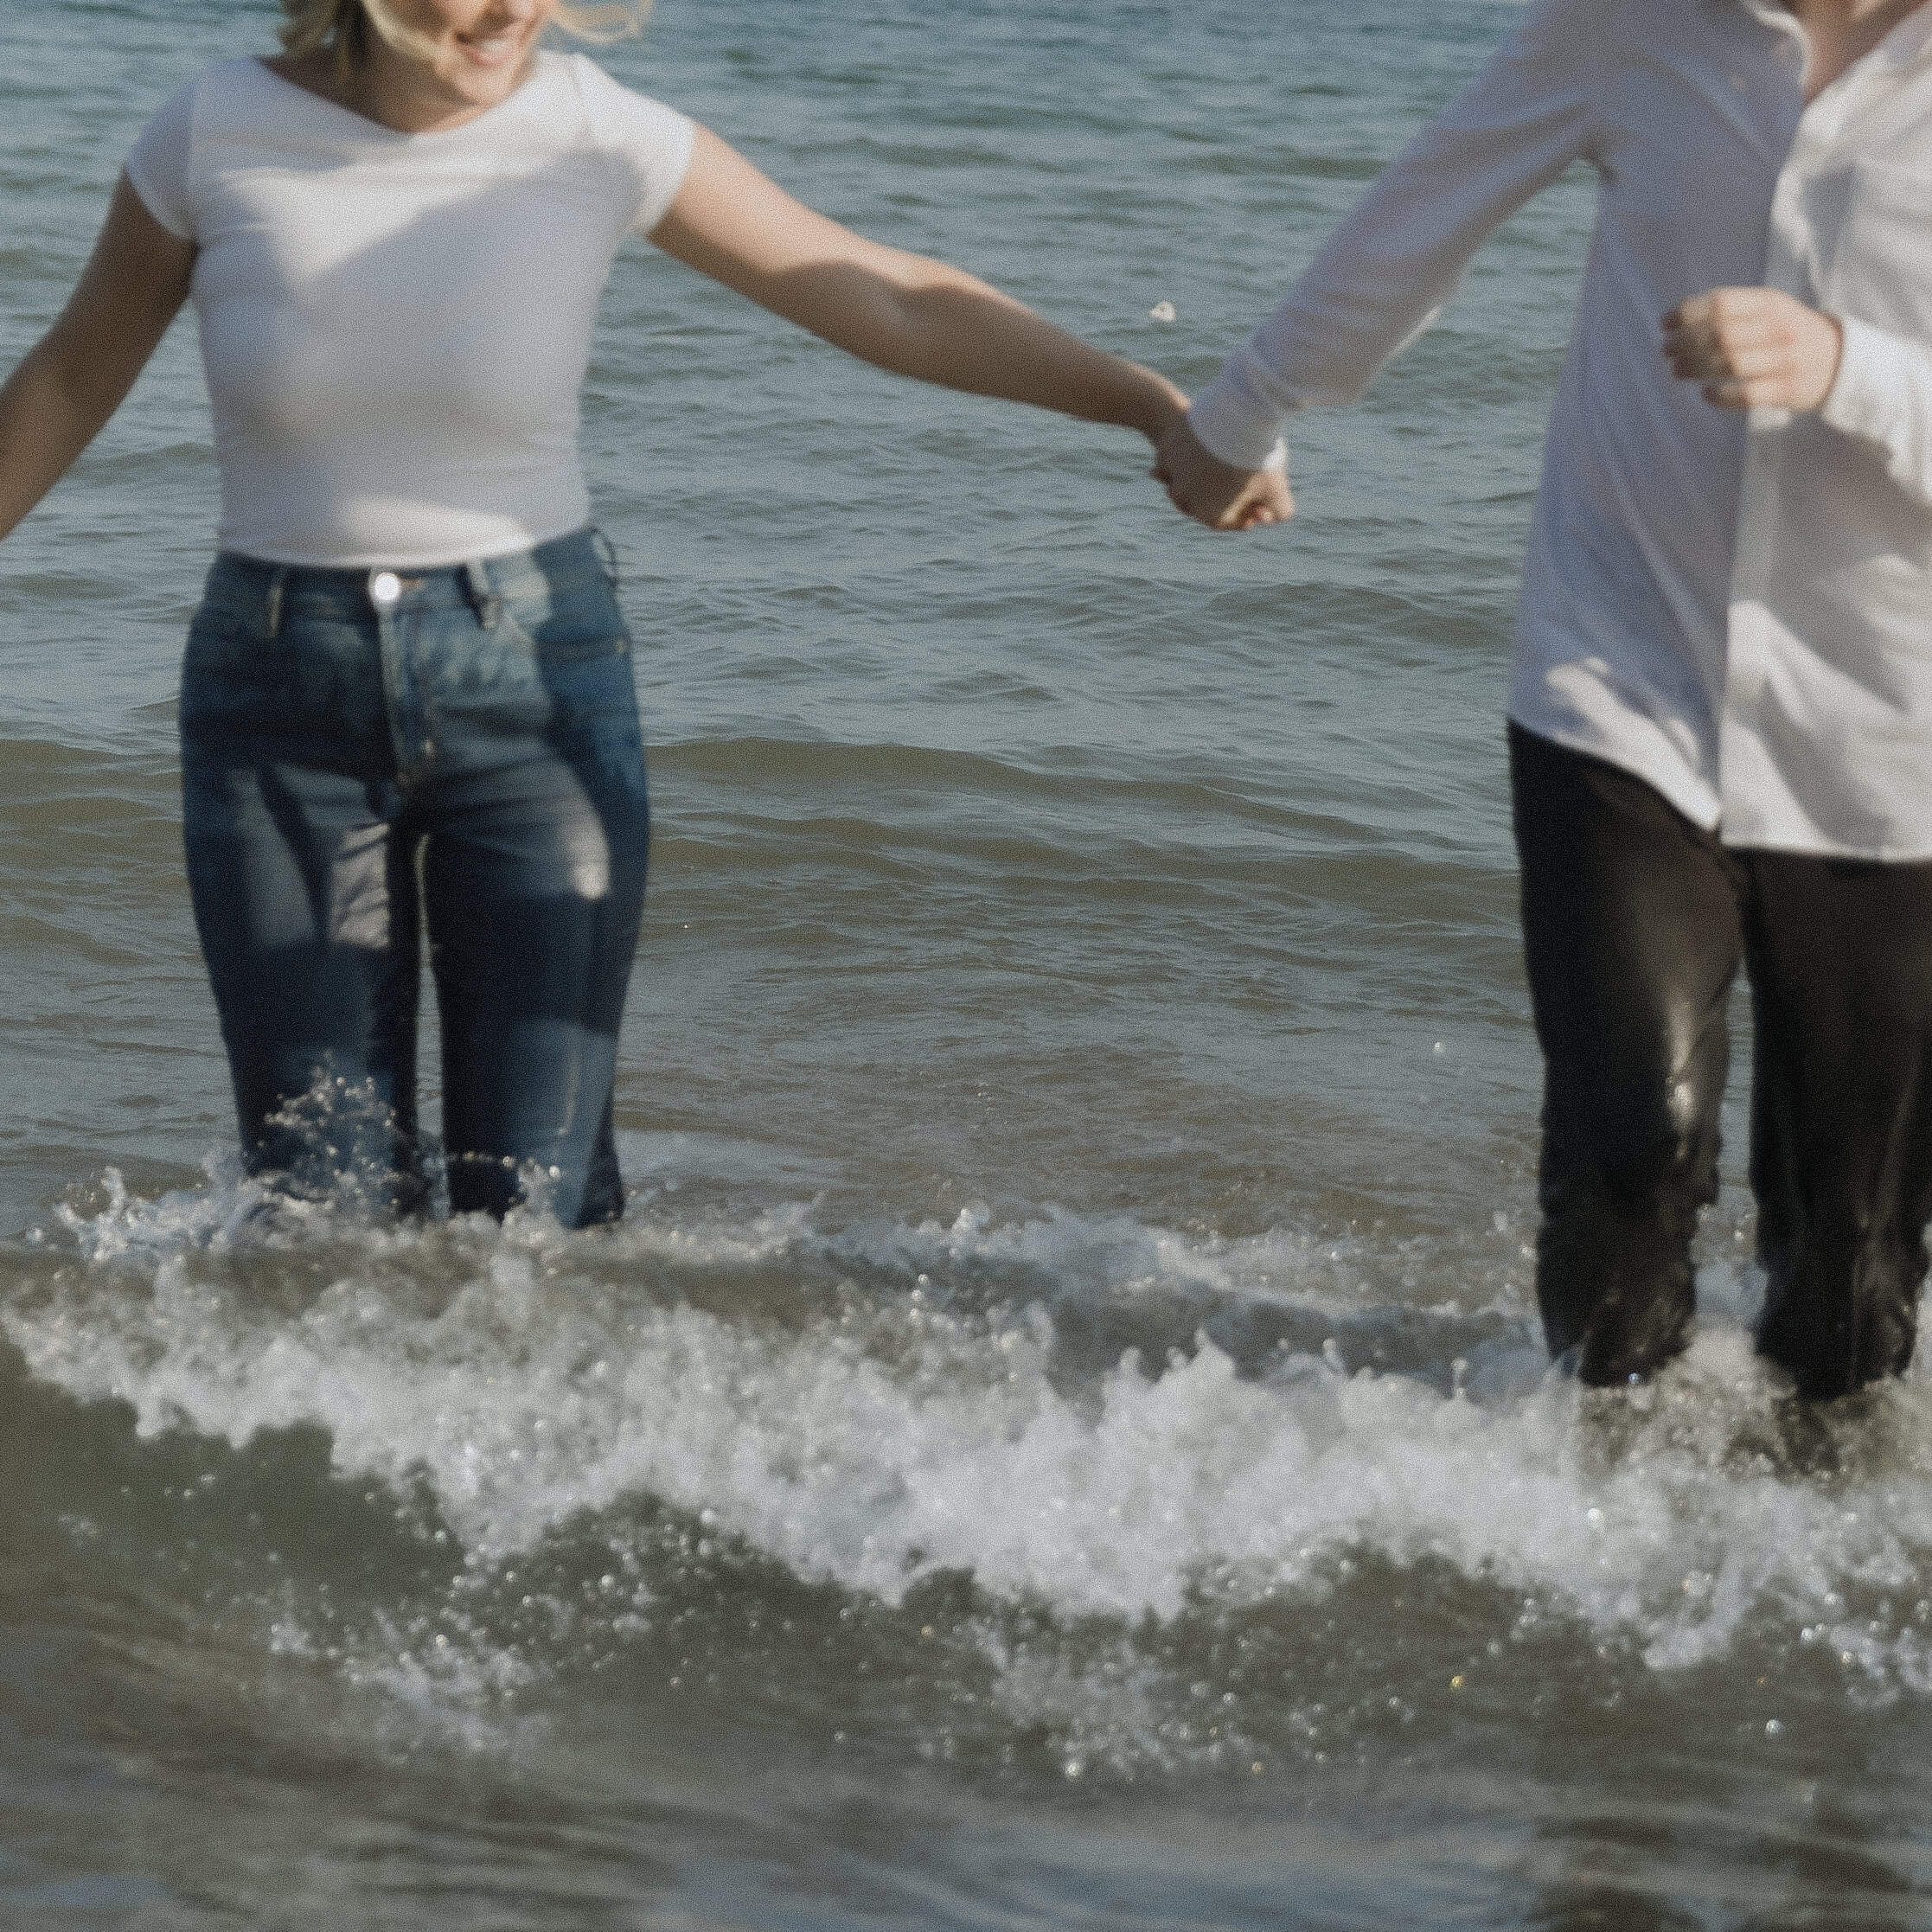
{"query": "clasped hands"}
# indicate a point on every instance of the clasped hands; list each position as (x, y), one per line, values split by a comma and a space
(1222, 496)
(1750, 348)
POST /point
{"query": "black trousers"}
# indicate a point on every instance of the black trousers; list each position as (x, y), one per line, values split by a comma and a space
(1634, 923)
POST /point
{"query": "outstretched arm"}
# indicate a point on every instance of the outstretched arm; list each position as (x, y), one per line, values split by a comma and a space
(906, 313)
(73, 379)
(1378, 280)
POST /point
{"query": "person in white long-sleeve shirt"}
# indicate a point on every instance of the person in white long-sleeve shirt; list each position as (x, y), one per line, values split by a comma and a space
(1721, 709)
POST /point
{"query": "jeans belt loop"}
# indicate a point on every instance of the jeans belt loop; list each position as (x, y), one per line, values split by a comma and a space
(487, 606)
(607, 555)
(278, 583)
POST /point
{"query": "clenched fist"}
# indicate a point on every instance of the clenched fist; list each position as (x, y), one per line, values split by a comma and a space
(1754, 349)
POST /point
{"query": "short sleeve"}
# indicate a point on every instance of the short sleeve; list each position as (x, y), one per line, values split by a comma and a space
(649, 142)
(158, 163)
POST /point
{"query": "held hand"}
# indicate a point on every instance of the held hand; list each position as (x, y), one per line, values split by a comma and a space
(1215, 493)
(1754, 349)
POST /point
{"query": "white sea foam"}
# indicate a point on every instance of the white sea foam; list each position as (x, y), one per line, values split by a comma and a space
(1117, 1254)
(878, 1445)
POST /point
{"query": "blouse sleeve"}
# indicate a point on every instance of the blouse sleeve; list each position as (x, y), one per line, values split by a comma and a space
(1882, 394)
(158, 163)
(651, 144)
(1381, 277)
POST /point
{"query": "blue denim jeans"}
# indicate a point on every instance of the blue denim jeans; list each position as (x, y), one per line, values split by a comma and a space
(365, 755)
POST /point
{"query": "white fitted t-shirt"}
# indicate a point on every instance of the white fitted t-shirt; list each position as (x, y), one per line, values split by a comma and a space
(395, 327)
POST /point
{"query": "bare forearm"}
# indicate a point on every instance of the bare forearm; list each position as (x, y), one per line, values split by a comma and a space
(74, 379)
(954, 330)
(900, 312)
(46, 421)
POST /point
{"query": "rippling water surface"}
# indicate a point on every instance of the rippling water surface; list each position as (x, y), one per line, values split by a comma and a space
(1060, 1439)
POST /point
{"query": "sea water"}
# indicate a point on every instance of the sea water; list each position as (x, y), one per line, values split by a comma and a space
(1061, 1438)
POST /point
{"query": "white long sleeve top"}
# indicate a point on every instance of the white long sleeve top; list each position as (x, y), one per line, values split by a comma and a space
(1739, 611)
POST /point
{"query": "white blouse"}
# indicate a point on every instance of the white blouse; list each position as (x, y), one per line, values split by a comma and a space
(395, 327)
(1739, 612)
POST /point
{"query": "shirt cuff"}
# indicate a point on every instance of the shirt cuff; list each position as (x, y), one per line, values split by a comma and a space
(1234, 422)
(1875, 370)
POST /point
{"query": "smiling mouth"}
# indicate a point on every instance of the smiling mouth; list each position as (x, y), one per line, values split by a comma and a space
(493, 52)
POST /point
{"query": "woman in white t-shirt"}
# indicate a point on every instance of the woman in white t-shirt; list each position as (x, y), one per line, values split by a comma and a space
(408, 694)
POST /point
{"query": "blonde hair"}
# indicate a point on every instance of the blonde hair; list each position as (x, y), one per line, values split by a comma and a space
(343, 27)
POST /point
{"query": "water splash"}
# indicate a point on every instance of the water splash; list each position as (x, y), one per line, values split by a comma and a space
(902, 1409)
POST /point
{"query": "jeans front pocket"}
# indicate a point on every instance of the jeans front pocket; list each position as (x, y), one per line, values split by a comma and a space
(571, 620)
(234, 679)
(313, 690)
(580, 647)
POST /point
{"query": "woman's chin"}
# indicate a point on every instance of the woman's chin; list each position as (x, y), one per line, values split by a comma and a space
(467, 82)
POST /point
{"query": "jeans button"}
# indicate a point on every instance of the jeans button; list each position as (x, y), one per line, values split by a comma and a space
(384, 587)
